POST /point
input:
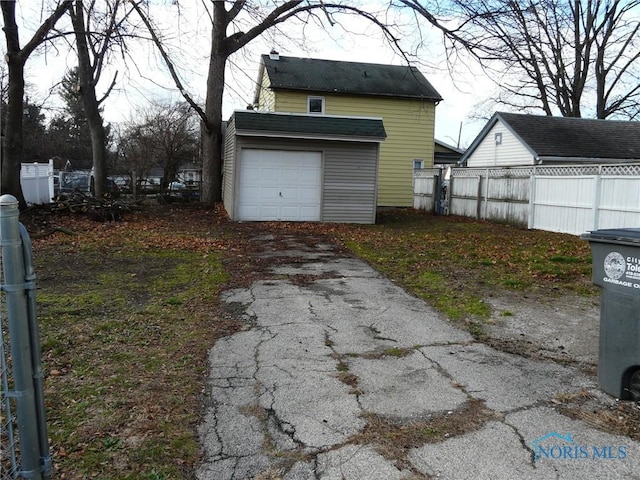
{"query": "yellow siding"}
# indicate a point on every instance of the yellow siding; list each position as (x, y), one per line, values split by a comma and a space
(409, 124)
(266, 100)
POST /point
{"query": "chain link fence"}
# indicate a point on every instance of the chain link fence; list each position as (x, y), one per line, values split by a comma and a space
(9, 448)
(24, 448)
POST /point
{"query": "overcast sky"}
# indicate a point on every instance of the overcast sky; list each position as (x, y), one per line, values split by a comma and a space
(149, 79)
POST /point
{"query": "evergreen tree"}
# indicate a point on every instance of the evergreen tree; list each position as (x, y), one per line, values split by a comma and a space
(69, 132)
(35, 133)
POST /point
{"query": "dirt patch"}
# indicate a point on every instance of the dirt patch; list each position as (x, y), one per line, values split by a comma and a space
(563, 328)
(394, 439)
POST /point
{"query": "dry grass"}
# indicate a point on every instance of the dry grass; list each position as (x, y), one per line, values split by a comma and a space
(394, 440)
(129, 310)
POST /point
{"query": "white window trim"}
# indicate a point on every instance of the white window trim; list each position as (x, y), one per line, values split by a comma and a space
(309, 105)
(416, 160)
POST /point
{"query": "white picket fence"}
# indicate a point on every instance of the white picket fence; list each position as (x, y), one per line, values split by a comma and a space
(36, 180)
(567, 198)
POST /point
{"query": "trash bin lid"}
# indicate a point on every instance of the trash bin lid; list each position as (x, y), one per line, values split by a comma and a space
(625, 236)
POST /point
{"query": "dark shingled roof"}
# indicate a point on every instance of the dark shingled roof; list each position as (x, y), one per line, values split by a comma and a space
(576, 137)
(309, 125)
(353, 78)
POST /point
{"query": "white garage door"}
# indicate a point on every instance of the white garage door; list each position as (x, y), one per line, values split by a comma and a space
(279, 185)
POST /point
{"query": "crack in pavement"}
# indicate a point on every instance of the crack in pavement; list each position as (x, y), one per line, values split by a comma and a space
(293, 391)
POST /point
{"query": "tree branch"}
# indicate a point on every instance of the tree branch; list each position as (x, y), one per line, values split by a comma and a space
(169, 63)
(43, 30)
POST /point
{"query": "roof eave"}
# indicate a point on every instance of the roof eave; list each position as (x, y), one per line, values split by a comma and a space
(309, 136)
(256, 96)
(386, 95)
(543, 159)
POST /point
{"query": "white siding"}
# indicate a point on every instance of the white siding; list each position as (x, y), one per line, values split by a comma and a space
(228, 168)
(510, 152)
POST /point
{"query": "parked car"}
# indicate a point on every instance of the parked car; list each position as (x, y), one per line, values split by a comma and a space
(74, 182)
(178, 190)
(70, 182)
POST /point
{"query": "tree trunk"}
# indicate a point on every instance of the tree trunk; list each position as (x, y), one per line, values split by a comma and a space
(12, 141)
(212, 137)
(90, 102)
(98, 146)
(16, 58)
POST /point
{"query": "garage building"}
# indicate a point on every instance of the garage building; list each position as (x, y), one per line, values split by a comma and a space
(294, 167)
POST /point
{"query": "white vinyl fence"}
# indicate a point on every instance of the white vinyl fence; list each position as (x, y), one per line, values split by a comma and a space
(37, 182)
(567, 198)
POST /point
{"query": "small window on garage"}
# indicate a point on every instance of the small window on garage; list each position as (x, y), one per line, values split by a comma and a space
(315, 105)
(418, 163)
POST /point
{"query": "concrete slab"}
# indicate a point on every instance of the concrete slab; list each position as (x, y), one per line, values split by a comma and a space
(590, 453)
(348, 267)
(276, 407)
(494, 452)
(505, 381)
(406, 387)
(356, 462)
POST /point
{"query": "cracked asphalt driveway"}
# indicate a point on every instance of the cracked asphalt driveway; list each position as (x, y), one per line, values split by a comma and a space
(332, 350)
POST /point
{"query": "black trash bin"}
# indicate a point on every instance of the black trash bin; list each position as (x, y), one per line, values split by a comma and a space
(616, 270)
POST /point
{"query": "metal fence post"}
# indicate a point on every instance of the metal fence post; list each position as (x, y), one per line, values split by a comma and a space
(19, 289)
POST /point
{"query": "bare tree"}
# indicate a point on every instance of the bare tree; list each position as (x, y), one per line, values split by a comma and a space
(16, 58)
(165, 134)
(134, 152)
(559, 56)
(224, 19)
(97, 32)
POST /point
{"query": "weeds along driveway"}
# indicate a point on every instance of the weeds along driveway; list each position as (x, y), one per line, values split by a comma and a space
(339, 373)
(128, 311)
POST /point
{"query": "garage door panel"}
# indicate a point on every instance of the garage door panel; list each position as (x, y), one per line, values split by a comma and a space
(309, 177)
(279, 185)
(290, 176)
(289, 213)
(310, 212)
(268, 211)
(268, 174)
(268, 194)
(248, 212)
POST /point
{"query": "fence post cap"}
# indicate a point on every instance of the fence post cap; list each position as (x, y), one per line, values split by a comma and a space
(7, 200)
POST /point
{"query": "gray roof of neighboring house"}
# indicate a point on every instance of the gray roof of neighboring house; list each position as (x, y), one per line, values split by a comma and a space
(349, 78)
(309, 126)
(446, 154)
(569, 137)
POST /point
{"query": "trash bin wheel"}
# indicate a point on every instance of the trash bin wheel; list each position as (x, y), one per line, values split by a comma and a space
(634, 385)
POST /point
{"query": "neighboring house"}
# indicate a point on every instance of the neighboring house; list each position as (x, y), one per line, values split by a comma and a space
(399, 95)
(298, 167)
(153, 180)
(511, 139)
(190, 173)
(446, 155)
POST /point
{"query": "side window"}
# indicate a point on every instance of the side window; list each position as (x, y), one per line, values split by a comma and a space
(315, 105)
(418, 163)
